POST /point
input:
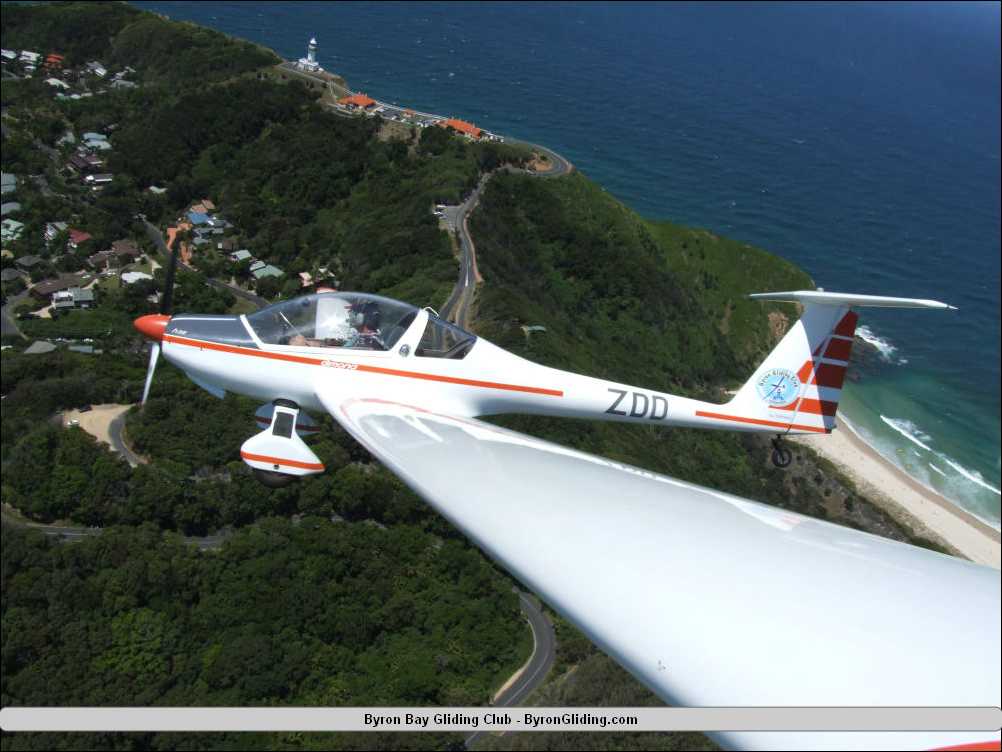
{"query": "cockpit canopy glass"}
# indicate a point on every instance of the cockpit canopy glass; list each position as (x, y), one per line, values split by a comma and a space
(444, 340)
(334, 319)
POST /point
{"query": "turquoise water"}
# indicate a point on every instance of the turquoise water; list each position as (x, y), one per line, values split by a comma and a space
(860, 141)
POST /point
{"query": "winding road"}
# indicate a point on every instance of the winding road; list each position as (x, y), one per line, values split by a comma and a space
(457, 307)
(535, 670)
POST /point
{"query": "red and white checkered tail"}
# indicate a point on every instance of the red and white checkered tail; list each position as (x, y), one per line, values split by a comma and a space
(798, 386)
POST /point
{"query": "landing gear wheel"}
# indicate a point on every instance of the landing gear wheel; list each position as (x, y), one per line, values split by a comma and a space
(781, 456)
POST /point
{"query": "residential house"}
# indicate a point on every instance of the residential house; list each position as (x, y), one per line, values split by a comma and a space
(126, 250)
(10, 274)
(39, 347)
(29, 262)
(241, 255)
(205, 206)
(11, 230)
(461, 126)
(77, 238)
(99, 180)
(130, 278)
(43, 290)
(100, 260)
(122, 252)
(73, 297)
(11, 207)
(54, 62)
(52, 229)
(355, 102)
(83, 163)
(8, 183)
(267, 271)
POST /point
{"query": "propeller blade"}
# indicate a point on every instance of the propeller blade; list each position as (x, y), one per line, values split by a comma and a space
(154, 354)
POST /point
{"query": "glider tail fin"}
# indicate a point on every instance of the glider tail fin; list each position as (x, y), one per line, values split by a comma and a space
(798, 386)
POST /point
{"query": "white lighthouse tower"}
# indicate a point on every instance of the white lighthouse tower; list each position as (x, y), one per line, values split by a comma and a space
(309, 63)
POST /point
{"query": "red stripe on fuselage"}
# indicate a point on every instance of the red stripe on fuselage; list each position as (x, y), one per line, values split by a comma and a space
(760, 422)
(204, 345)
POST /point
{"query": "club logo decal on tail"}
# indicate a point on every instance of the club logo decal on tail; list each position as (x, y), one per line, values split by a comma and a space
(778, 387)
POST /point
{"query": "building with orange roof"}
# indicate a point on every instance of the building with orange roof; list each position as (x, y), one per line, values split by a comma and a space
(54, 60)
(172, 233)
(461, 126)
(357, 101)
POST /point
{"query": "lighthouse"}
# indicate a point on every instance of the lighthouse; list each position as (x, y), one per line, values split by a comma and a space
(309, 63)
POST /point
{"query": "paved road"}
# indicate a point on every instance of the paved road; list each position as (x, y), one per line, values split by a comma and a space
(8, 325)
(457, 307)
(115, 429)
(75, 534)
(533, 674)
(153, 233)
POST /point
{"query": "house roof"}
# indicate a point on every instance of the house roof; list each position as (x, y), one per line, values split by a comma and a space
(125, 247)
(198, 218)
(267, 271)
(27, 262)
(79, 236)
(82, 295)
(241, 254)
(358, 100)
(39, 346)
(50, 286)
(462, 126)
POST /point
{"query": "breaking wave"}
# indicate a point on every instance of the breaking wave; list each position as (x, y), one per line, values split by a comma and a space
(883, 346)
(972, 475)
(919, 437)
(909, 430)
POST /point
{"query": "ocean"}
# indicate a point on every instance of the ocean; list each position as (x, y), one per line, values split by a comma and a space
(860, 141)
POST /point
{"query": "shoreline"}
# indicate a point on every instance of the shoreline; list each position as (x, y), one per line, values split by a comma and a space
(924, 510)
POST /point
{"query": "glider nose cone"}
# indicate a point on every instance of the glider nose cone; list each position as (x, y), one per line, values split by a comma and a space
(152, 326)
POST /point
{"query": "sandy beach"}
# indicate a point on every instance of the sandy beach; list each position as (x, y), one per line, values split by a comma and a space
(929, 513)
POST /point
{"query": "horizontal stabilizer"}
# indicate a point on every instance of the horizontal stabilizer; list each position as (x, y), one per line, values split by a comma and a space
(850, 299)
